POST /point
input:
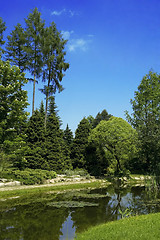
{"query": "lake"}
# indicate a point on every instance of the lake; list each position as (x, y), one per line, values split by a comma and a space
(60, 216)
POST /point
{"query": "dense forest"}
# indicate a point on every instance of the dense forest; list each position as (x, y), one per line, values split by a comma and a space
(102, 145)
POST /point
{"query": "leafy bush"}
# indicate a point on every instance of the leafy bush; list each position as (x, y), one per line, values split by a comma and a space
(29, 176)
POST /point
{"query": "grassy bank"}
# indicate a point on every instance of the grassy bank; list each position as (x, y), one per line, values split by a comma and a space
(145, 227)
(34, 189)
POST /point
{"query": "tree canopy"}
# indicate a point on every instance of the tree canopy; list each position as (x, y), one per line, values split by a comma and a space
(146, 119)
(118, 138)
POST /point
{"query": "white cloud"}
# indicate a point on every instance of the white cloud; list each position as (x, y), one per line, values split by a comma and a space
(90, 35)
(67, 34)
(58, 13)
(65, 11)
(75, 44)
(72, 13)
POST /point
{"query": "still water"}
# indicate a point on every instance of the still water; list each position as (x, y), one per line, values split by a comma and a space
(51, 216)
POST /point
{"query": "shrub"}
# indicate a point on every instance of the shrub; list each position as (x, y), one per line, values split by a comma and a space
(29, 176)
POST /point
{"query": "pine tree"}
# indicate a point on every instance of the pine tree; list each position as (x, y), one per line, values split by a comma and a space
(101, 116)
(2, 29)
(80, 143)
(36, 140)
(54, 62)
(15, 48)
(68, 136)
(34, 32)
(56, 153)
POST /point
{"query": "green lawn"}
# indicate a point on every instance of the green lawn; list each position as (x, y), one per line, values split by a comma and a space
(40, 189)
(145, 227)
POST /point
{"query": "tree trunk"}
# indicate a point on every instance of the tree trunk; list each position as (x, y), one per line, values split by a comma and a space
(47, 98)
(45, 120)
(33, 100)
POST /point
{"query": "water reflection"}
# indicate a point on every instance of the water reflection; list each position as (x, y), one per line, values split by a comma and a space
(68, 230)
(32, 219)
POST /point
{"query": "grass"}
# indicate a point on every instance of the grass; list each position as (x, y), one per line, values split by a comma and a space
(41, 189)
(145, 227)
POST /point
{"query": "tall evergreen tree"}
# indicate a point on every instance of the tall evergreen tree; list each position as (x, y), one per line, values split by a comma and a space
(54, 62)
(2, 29)
(68, 136)
(36, 140)
(101, 116)
(56, 153)
(80, 142)
(90, 119)
(34, 31)
(15, 48)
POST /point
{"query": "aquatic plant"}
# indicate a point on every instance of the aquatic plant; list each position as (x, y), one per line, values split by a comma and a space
(71, 204)
(89, 196)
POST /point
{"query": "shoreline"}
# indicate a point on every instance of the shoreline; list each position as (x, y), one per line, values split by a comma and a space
(21, 187)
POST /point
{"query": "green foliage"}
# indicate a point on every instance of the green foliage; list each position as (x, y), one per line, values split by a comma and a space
(126, 213)
(34, 32)
(2, 29)
(56, 152)
(117, 138)
(13, 101)
(80, 143)
(16, 48)
(35, 130)
(91, 120)
(68, 136)
(54, 64)
(35, 137)
(101, 116)
(29, 176)
(4, 162)
(146, 120)
(97, 159)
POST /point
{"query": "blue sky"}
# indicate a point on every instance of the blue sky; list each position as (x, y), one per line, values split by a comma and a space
(111, 45)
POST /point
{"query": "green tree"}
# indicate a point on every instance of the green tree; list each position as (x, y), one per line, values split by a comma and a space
(68, 136)
(15, 48)
(80, 142)
(68, 139)
(13, 101)
(35, 138)
(34, 33)
(117, 138)
(54, 62)
(101, 116)
(146, 120)
(2, 29)
(56, 152)
(91, 119)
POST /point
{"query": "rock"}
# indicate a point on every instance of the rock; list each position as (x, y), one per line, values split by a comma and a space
(10, 184)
